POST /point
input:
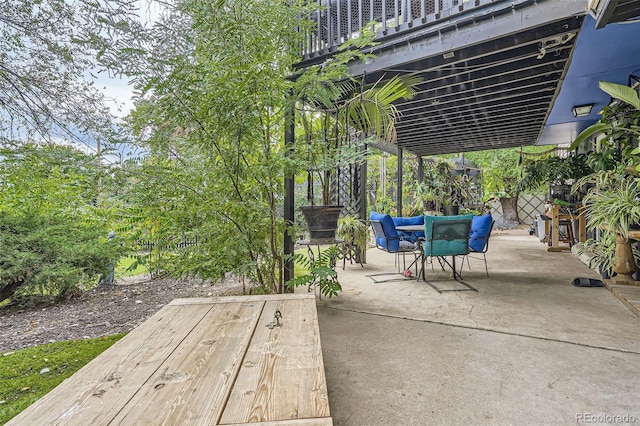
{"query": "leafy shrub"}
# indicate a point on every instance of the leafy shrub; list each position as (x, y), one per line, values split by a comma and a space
(51, 255)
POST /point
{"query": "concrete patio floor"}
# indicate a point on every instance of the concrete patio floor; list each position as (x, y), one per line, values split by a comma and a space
(526, 348)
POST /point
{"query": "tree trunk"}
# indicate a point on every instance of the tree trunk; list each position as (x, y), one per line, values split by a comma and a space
(509, 209)
(7, 291)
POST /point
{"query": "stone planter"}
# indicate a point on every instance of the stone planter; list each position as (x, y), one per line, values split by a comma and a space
(624, 265)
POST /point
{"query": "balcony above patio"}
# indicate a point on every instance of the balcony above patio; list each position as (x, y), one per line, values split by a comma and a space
(495, 73)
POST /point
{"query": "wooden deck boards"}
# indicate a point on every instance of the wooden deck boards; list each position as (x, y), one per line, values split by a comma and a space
(300, 382)
(202, 361)
(628, 294)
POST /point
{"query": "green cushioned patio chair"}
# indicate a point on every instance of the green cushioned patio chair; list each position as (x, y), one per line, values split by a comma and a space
(446, 236)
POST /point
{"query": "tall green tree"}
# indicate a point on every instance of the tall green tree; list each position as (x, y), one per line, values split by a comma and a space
(217, 82)
(214, 96)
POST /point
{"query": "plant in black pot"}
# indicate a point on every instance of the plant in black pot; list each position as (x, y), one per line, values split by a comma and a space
(458, 192)
(322, 163)
(425, 199)
(431, 193)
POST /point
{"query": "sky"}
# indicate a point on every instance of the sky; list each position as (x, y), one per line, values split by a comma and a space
(118, 90)
(119, 94)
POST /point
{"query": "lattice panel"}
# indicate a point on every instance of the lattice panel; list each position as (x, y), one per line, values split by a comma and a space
(346, 189)
(528, 207)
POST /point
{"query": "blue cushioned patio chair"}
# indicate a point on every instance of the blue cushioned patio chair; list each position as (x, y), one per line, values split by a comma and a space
(412, 236)
(446, 236)
(388, 239)
(481, 227)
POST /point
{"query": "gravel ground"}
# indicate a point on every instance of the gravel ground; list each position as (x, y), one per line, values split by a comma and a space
(102, 311)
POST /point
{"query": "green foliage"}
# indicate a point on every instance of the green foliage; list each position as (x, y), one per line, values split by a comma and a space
(614, 207)
(501, 174)
(372, 110)
(500, 171)
(382, 178)
(130, 266)
(321, 149)
(435, 184)
(49, 178)
(620, 126)
(458, 188)
(353, 230)
(553, 170)
(322, 274)
(464, 210)
(51, 237)
(603, 252)
(332, 137)
(624, 93)
(321, 85)
(612, 201)
(216, 87)
(51, 53)
(22, 381)
(214, 79)
(50, 255)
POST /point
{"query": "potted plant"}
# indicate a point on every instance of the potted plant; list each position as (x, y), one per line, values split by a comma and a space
(322, 161)
(355, 232)
(431, 193)
(612, 202)
(425, 199)
(331, 136)
(458, 189)
(602, 253)
(615, 208)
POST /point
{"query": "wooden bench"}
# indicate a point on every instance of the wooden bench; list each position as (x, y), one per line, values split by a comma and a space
(202, 361)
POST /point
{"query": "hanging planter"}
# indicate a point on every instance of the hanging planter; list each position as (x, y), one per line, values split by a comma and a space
(322, 222)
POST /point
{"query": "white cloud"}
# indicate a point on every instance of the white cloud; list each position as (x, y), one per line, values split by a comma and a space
(118, 93)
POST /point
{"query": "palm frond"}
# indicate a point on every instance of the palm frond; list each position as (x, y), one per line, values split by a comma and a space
(372, 111)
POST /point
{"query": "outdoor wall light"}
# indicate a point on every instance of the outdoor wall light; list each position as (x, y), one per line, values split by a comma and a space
(581, 110)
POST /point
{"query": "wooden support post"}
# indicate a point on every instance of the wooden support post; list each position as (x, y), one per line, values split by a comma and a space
(582, 225)
(289, 203)
(399, 194)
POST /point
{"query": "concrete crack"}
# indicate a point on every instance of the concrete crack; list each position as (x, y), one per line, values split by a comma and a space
(469, 314)
(479, 328)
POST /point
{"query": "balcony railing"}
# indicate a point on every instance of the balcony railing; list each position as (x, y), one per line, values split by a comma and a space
(339, 20)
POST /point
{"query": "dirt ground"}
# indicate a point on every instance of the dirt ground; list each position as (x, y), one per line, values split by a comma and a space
(102, 311)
